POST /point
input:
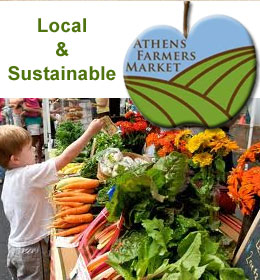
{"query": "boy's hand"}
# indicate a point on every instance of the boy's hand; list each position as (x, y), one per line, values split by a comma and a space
(95, 126)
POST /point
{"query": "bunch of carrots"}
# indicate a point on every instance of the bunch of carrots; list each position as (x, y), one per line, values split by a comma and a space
(73, 199)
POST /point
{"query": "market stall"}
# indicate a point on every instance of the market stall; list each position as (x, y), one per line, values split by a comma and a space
(143, 203)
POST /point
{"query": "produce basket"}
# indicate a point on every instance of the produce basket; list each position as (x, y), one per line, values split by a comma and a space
(102, 177)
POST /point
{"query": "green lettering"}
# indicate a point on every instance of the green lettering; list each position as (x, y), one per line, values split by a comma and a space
(84, 25)
(54, 75)
(17, 76)
(24, 75)
(82, 75)
(46, 72)
(37, 75)
(63, 26)
(54, 26)
(40, 26)
(75, 27)
(95, 72)
(111, 74)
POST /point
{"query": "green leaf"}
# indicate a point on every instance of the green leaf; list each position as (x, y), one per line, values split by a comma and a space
(220, 168)
(232, 273)
(182, 274)
(214, 262)
(130, 245)
(208, 276)
(174, 167)
(192, 256)
(160, 233)
(188, 240)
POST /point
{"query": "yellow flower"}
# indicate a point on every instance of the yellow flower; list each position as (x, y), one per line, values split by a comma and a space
(215, 133)
(181, 134)
(224, 145)
(202, 159)
(195, 142)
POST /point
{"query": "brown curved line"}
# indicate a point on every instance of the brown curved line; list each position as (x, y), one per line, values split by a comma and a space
(239, 86)
(154, 104)
(208, 58)
(212, 102)
(216, 65)
(226, 73)
(172, 97)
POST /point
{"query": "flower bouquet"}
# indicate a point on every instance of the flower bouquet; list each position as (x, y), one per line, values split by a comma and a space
(244, 185)
(168, 141)
(208, 150)
(134, 131)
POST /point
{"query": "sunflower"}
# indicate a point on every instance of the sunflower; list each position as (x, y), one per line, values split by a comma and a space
(203, 159)
(195, 142)
(178, 137)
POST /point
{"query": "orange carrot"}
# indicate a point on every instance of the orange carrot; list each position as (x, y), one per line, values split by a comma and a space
(73, 230)
(90, 184)
(58, 222)
(84, 198)
(65, 225)
(83, 218)
(65, 208)
(74, 211)
(82, 191)
(69, 204)
(65, 194)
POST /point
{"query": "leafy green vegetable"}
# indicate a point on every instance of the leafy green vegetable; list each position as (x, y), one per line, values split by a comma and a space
(156, 183)
(130, 245)
(176, 224)
(90, 167)
(192, 256)
(232, 273)
(66, 133)
(158, 232)
(174, 167)
(104, 141)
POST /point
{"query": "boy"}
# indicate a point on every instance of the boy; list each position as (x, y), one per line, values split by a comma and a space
(24, 198)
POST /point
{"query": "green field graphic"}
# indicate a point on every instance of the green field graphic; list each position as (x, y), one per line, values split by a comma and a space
(208, 93)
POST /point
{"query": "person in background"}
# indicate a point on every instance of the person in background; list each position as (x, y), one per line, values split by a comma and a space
(114, 108)
(55, 111)
(102, 105)
(7, 113)
(93, 108)
(2, 104)
(33, 122)
(25, 199)
(16, 104)
(2, 171)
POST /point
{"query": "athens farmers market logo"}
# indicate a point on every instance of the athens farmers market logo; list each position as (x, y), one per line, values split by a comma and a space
(204, 79)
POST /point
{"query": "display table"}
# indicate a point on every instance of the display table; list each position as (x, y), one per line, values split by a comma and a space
(63, 260)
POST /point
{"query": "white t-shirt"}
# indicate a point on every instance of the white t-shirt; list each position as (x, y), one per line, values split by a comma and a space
(26, 204)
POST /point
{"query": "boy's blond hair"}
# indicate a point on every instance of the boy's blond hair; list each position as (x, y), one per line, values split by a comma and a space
(12, 140)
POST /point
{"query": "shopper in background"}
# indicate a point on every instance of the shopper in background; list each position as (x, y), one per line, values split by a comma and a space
(25, 199)
(2, 104)
(33, 122)
(102, 105)
(16, 104)
(114, 108)
(93, 108)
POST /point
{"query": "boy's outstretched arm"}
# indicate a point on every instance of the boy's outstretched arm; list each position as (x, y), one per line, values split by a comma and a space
(74, 149)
